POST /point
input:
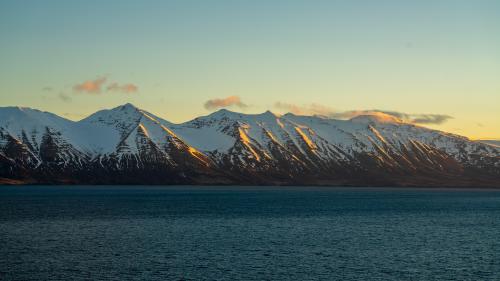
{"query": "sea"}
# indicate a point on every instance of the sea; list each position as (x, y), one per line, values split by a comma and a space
(248, 233)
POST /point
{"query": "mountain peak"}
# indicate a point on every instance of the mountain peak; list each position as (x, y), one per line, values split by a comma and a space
(126, 107)
(120, 113)
(268, 113)
(16, 112)
(224, 111)
(231, 114)
(129, 145)
(19, 109)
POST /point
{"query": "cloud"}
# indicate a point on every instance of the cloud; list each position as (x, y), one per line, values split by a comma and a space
(124, 88)
(91, 86)
(99, 84)
(47, 89)
(225, 102)
(312, 109)
(419, 118)
(325, 111)
(430, 118)
(64, 97)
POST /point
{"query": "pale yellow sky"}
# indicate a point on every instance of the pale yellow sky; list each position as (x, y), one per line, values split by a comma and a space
(171, 57)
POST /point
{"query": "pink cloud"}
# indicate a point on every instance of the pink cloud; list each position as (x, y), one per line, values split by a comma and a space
(91, 86)
(97, 85)
(325, 111)
(225, 102)
(124, 88)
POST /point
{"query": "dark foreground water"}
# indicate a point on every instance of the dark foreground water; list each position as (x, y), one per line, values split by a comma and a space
(209, 233)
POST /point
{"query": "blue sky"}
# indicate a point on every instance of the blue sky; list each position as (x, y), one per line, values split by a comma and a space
(415, 57)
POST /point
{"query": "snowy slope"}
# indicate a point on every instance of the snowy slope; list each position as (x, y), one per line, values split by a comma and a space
(234, 145)
(495, 143)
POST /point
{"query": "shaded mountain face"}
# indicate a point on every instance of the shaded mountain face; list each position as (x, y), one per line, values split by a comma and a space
(127, 145)
(492, 142)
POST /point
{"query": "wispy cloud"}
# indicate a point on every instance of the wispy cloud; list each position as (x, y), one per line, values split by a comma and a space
(419, 118)
(64, 97)
(47, 89)
(101, 84)
(225, 102)
(91, 86)
(124, 88)
(311, 109)
(325, 111)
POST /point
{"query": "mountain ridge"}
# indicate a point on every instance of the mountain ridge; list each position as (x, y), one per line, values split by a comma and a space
(128, 145)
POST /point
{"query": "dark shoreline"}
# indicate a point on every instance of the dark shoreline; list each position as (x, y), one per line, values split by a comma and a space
(252, 187)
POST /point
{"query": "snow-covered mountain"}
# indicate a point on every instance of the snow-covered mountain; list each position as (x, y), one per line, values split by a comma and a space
(492, 142)
(128, 145)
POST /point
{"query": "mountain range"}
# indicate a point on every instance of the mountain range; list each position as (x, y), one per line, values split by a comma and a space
(128, 145)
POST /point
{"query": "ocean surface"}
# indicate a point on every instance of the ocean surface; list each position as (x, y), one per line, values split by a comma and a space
(248, 233)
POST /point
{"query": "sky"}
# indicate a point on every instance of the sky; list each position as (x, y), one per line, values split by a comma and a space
(435, 63)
